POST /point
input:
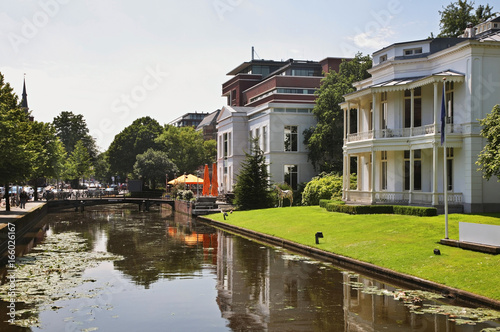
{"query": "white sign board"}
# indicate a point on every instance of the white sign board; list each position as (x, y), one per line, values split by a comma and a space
(479, 233)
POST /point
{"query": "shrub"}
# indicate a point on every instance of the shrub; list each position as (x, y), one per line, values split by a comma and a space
(323, 186)
(186, 195)
(415, 210)
(324, 202)
(335, 206)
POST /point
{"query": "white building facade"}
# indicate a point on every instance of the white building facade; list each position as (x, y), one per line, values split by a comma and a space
(397, 146)
(279, 128)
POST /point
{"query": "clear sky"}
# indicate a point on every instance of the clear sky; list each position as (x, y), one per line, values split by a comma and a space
(117, 60)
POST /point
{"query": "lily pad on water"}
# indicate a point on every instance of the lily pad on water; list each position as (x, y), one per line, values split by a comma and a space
(414, 300)
(49, 273)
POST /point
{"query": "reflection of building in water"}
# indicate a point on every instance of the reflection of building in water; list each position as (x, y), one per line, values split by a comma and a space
(259, 290)
(369, 311)
(192, 238)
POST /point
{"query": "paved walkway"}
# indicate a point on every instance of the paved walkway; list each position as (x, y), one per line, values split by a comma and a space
(16, 212)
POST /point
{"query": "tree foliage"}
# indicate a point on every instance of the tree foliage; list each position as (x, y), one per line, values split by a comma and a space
(456, 16)
(16, 155)
(152, 166)
(186, 148)
(325, 186)
(489, 158)
(70, 129)
(79, 164)
(326, 139)
(252, 186)
(48, 152)
(130, 142)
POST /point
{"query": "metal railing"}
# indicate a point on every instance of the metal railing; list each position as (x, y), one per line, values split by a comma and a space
(402, 197)
(429, 129)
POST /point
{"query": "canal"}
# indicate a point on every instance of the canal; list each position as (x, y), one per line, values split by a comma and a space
(113, 268)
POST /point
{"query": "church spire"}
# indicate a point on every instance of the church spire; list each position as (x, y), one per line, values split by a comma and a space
(24, 100)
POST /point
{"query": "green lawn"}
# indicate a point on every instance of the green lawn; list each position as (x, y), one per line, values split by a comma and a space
(401, 243)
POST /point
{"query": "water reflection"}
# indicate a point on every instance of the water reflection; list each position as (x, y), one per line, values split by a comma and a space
(183, 274)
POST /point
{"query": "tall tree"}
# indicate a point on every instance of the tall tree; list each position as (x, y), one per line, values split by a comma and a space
(71, 128)
(186, 147)
(130, 142)
(456, 16)
(15, 161)
(325, 139)
(101, 168)
(489, 158)
(48, 154)
(252, 190)
(153, 166)
(79, 163)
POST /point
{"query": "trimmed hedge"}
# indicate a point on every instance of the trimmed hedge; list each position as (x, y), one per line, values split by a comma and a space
(379, 209)
(415, 210)
(324, 202)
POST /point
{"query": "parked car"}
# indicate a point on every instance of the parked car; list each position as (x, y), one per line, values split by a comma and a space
(40, 191)
(110, 191)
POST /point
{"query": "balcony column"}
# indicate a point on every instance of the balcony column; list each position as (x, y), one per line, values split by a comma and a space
(436, 108)
(374, 114)
(411, 176)
(345, 123)
(372, 185)
(358, 118)
(343, 174)
(435, 200)
(347, 177)
(412, 110)
(348, 119)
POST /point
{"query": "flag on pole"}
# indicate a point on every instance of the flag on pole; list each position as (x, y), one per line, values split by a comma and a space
(443, 114)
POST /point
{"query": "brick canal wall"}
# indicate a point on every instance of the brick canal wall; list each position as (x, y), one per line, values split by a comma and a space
(22, 224)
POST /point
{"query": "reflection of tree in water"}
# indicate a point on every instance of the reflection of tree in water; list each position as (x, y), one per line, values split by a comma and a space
(150, 252)
(141, 238)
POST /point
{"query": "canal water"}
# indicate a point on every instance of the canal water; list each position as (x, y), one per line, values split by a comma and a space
(113, 268)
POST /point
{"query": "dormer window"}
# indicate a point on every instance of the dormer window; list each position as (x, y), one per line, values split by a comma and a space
(382, 58)
(413, 51)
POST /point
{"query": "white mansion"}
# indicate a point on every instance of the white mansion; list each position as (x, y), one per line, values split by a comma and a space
(397, 147)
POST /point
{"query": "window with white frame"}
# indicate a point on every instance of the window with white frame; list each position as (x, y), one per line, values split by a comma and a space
(417, 108)
(383, 110)
(383, 170)
(450, 91)
(417, 169)
(258, 138)
(264, 138)
(413, 51)
(291, 176)
(291, 138)
(449, 168)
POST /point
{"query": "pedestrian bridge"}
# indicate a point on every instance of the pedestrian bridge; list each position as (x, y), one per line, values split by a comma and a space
(79, 204)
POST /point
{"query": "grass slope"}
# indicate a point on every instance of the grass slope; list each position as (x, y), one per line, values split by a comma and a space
(401, 243)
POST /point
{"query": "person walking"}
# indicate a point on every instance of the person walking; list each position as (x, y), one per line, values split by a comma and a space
(23, 197)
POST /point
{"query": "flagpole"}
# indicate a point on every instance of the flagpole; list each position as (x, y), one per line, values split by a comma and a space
(445, 165)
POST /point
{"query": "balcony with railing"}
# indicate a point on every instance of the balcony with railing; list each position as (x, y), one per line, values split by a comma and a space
(402, 197)
(430, 129)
